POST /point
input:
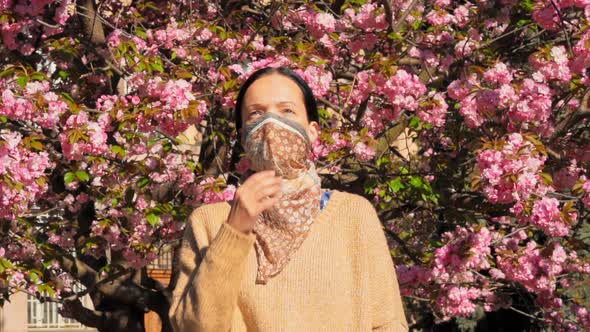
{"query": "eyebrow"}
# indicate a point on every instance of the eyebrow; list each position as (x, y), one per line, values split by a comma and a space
(249, 107)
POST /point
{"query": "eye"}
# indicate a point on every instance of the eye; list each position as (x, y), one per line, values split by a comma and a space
(255, 113)
(288, 110)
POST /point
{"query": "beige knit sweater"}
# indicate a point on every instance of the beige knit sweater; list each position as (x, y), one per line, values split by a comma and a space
(342, 277)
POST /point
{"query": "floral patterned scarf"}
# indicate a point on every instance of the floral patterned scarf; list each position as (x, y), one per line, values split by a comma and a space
(277, 143)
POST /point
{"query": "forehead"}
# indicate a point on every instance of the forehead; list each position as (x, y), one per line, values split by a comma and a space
(272, 89)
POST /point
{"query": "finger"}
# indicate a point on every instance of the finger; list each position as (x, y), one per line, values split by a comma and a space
(270, 201)
(271, 190)
(261, 175)
(267, 182)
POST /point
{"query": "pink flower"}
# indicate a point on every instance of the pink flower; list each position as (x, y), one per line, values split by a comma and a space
(434, 111)
(457, 301)
(500, 73)
(17, 103)
(326, 21)
(547, 18)
(439, 17)
(20, 168)
(243, 165)
(403, 90)
(94, 144)
(363, 152)
(547, 216)
(555, 68)
(318, 79)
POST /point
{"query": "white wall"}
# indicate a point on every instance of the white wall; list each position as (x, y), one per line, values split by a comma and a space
(14, 314)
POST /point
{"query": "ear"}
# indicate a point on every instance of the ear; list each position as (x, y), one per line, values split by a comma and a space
(313, 130)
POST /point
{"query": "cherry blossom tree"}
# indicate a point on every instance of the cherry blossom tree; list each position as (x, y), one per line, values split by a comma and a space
(487, 214)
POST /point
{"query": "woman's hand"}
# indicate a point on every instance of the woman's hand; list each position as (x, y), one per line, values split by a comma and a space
(258, 193)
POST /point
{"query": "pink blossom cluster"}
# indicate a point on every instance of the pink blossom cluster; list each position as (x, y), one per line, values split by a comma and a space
(582, 316)
(81, 136)
(244, 70)
(403, 90)
(335, 142)
(63, 238)
(533, 103)
(359, 146)
(212, 190)
(377, 118)
(581, 59)
(586, 188)
(111, 233)
(23, 175)
(134, 241)
(33, 103)
(170, 98)
(511, 173)
(366, 18)
(547, 13)
(22, 32)
(534, 268)
(457, 301)
(22, 249)
(171, 35)
(317, 78)
(466, 250)
(172, 168)
(434, 110)
(547, 216)
(552, 66)
(442, 15)
(462, 260)
(483, 98)
(317, 23)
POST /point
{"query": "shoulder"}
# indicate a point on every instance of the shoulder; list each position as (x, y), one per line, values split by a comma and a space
(353, 203)
(206, 219)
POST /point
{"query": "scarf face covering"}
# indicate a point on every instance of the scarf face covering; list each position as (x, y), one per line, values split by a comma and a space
(275, 143)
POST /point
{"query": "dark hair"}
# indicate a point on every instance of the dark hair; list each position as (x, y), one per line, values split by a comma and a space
(310, 103)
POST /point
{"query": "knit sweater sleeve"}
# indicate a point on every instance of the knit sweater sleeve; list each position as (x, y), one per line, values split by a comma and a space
(386, 304)
(210, 274)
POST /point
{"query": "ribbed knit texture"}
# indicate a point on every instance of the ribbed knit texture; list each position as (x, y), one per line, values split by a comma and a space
(342, 277)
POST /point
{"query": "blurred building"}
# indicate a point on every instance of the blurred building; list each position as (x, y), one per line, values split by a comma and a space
(25, 313)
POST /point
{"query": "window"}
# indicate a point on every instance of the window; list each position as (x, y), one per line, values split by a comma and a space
(45, 316)
(164, 260)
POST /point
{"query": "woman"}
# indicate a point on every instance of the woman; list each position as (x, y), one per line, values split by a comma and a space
(285, 255)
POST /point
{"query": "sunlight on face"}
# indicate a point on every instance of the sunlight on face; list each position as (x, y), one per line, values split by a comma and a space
(280, 95)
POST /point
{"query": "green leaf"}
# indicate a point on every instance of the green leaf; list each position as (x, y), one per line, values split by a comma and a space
(22, 81)
(396, 184)
(158, 66)
(69, 177)
(143, 182)
(5, 263)
(415, 181)
(7, 72)
(153, 219)
(116, 149)
(82, 175)
(47, 289)
(67, 97)
(416, 25)
(3, 119)
(63, 74)
(414, 123)
(37, 76)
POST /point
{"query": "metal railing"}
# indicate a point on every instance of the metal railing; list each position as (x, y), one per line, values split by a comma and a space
(164, 260)
(45, 316)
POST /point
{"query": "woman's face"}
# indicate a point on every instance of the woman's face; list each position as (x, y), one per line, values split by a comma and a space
(280, 95)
